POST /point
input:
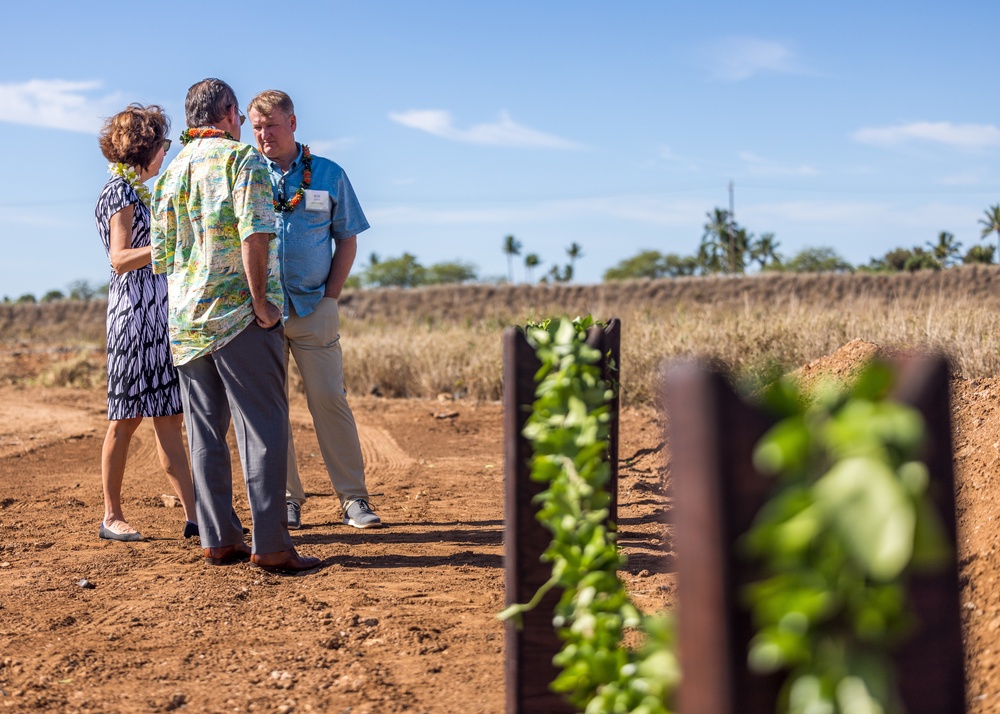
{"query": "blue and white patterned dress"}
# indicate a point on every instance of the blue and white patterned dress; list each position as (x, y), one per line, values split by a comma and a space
(142, 380)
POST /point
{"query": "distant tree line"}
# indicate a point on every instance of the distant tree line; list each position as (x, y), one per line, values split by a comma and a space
(557, 273)
(726, 247)
(77, 290)
(406, 271)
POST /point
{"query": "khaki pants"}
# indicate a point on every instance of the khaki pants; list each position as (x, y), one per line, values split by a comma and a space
(314, 342)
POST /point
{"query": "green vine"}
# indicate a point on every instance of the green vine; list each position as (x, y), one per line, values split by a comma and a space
(568, 430)
(849, 521)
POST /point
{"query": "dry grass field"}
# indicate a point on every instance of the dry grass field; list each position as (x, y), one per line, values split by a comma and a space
(427, 341)
(403, 619)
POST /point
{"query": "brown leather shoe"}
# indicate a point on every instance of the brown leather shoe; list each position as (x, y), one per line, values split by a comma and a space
(227, 554)
(284, 562)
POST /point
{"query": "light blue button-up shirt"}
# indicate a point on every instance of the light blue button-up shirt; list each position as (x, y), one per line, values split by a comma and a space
(305, 238)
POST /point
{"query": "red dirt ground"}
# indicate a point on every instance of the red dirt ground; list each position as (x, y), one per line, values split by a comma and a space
(400, 619)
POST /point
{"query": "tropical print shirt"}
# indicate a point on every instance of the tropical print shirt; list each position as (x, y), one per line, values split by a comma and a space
(213, 196)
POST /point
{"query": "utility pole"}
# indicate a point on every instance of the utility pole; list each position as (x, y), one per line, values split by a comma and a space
(732, 231)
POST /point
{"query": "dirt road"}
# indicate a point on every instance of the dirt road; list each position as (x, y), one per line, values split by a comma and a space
(400, 619)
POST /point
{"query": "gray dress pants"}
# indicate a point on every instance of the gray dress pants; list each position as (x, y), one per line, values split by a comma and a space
(242, 382)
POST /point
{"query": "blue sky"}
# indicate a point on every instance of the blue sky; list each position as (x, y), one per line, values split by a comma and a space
(856, 126)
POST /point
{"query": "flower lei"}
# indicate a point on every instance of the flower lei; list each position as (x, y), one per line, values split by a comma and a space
(288, 205)
(128, 173)
(189, 135)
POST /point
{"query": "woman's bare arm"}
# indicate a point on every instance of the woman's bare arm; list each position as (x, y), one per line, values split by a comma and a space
(122, 255)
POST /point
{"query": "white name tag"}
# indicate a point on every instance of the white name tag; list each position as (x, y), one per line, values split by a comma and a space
(317, 200)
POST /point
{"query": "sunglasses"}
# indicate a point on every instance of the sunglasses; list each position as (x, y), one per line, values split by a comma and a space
(243, 117)
(166, 145)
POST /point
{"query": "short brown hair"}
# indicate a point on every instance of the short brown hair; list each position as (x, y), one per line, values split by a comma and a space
(208, 102)
(269, 100)
(134, 135)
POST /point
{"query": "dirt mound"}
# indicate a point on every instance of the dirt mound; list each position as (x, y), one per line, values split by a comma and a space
(976, 429)
(975, 406)
(843, 366)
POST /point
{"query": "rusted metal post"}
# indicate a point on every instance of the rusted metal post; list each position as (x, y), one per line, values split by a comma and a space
(529, 649)
(608, 339)
(931, 661)
(717, 493)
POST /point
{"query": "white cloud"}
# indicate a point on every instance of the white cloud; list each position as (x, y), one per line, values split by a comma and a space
(36, 219)
(737, 58)
(328, 147)
(758, 166)
(57, 104)
(642, 209)
(973, 177)
(505, 132)
(884, 216)
(815, 212)
(667, 154)
(960, 136)
(665, 157)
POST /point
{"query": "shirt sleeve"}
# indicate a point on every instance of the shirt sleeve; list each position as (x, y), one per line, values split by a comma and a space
(348, 218)
(118, 196)
(162, 231)
(253, 198)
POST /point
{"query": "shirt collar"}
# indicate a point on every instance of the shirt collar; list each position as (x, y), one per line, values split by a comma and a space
(296, 162)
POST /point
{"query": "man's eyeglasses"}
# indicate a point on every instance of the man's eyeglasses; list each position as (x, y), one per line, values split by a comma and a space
(243, 117)
(166, 145)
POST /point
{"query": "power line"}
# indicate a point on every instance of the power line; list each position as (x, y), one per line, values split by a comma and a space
(590, 197)
(30, 204)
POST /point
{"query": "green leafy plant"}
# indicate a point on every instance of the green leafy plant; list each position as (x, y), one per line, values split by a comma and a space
(568, 430)
(849, 520)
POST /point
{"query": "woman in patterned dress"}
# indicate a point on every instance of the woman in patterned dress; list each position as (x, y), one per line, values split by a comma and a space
(142, 381)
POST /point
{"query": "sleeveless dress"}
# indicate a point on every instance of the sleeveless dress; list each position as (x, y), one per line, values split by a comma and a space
(142, 380)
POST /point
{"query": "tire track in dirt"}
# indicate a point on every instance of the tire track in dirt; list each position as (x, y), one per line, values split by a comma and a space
(401, 619)
(34, 425)
(142, 451)
(381, 452)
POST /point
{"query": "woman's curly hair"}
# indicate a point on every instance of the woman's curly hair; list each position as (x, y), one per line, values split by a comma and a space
(134, 135)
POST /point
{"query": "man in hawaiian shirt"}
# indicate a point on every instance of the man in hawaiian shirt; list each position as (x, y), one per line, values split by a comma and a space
(213, 236)
(319, 218)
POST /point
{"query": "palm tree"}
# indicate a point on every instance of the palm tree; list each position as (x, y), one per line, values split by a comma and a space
(531, 261)
(512, 247)
(992, 221)
(947, 250)
(739, 247)
(708, 256)
(765, 251)
(718, 238)
(980, 254)
(574, 251)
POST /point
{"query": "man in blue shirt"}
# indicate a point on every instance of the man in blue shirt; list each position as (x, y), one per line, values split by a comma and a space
(318, 219)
